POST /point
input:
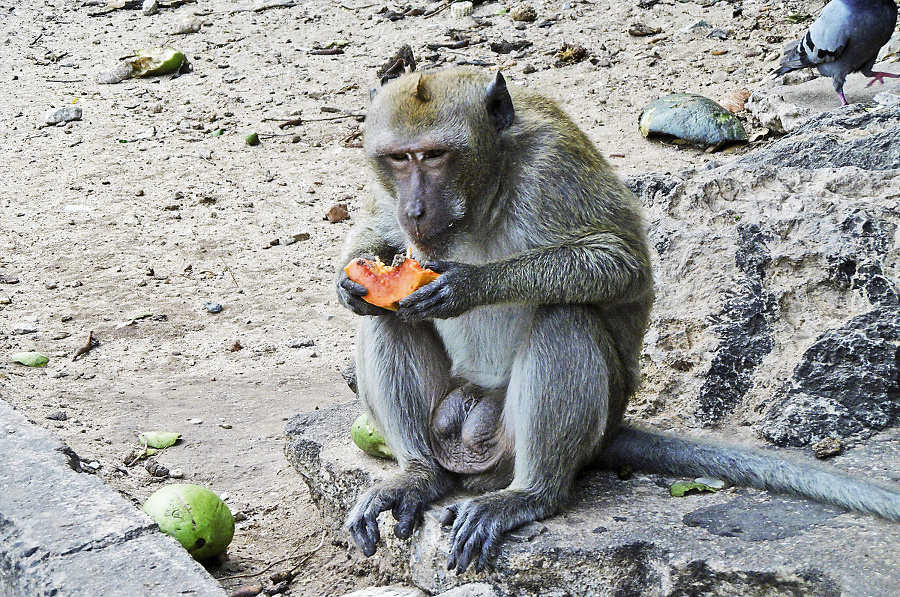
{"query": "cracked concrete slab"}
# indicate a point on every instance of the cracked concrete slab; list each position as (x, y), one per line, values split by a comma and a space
(66, 533)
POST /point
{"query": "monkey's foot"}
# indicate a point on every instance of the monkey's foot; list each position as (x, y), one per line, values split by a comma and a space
(406, 496)
(480, 523)
(879, 77)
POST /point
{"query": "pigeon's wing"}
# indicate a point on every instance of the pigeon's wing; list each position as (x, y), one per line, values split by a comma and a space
(824, 41)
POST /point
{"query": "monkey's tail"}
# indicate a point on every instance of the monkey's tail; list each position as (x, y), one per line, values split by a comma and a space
(656, 452)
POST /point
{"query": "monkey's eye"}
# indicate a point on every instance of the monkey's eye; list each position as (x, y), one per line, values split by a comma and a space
(433, 154)
(398, 157)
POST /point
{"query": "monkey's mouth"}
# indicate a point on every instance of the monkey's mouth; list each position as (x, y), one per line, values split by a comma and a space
(433, 241)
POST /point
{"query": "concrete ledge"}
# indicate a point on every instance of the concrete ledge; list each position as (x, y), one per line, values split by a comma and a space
(628, 537)
(67, 533)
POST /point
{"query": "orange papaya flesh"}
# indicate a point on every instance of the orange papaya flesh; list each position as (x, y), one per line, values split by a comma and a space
(387, 284)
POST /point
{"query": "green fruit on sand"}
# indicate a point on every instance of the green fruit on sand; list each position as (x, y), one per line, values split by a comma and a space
(195, 516)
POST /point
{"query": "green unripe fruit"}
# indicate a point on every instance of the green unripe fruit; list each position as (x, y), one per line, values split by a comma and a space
(195, 516)
(365, 435)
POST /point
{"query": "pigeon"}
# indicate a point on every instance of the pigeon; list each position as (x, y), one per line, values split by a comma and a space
(845, 38)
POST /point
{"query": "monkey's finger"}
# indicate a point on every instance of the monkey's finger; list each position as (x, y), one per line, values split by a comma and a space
(463, 539)
(432, 301)
(488, 551)
(365, 536)
(470, 544)
(440, 266)
(353, 288)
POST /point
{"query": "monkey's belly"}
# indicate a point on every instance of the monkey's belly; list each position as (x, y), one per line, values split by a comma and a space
(482, 343)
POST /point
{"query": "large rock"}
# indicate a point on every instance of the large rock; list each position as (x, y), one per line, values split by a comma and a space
(777, 286)
(625, 537)
(777, 312)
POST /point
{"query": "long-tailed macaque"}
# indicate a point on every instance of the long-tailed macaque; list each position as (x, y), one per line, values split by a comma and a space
(511, 372)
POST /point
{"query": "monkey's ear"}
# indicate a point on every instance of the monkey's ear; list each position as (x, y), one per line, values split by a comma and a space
(396, 69)
(499, 103)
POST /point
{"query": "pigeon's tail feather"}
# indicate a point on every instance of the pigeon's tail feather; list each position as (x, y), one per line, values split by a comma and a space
(793, 59)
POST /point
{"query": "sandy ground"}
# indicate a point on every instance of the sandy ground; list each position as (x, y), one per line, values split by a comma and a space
(127, 222)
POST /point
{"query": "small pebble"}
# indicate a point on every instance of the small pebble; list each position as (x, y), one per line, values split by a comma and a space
(176, 473)
(524, 13)
(195, 421)
(190, 26)
(64, 114)
(213, 307)
(461, 9)
(338, 213)
(301, 343)
(115, 75)
(150, 7)
(827, 448)
(22, 328)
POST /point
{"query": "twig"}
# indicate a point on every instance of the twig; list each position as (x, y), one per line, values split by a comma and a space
(305, 557)
(299, 121)
(440, 8)
(280, 4)
(327, 52)
(140, 456)
(91, 344)
(230, 273)
(290, 574)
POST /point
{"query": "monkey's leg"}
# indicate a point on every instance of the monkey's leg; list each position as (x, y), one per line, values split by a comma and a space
(402, 369)
(557, 407)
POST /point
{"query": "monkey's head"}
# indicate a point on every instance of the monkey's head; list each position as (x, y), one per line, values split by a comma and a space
(436, 143)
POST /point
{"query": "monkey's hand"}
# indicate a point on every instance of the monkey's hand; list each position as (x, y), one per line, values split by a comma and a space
(406, 496)
(350, 295)
(451, 295)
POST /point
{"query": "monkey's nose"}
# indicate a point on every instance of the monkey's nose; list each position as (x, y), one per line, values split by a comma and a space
(415, 210)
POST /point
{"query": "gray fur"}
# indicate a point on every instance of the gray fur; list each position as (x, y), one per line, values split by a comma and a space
(544, 299)
(656, 452)
(543, 302)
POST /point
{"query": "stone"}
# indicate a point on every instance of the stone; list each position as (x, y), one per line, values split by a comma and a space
(475, 589)
(776, 320)
(822, 142)
(149, 7)
(388, 592)
(621, 537)
(61, 115)
(523, 13)
(752, 258)
(63, 532)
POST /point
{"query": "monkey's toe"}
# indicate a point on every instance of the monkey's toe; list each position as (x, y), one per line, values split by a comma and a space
(365, 535)
(448, 515)
(409, 515)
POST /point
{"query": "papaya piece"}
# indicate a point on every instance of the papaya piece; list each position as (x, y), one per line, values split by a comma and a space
(387, 284)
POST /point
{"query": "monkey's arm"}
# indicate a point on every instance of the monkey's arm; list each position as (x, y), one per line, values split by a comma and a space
(603, 269)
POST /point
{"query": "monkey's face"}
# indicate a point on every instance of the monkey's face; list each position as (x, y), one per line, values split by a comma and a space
(423, 183)
(434, 146)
